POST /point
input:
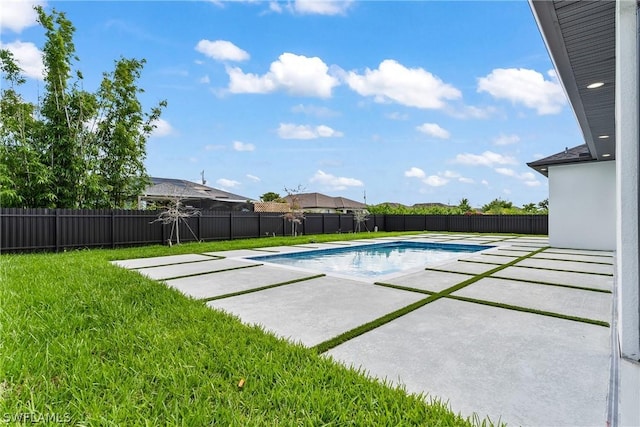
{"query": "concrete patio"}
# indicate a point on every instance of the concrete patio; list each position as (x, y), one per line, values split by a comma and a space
(528, 343)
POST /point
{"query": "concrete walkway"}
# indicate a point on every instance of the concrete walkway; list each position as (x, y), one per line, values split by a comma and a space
(517, 337)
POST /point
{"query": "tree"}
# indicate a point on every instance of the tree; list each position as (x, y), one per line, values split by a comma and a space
(360, 217)
(464, 206)
(271, 197)
(530, 208)
(497, 206)
(65, 109)
(24, 176)
(175, 213)
(544, 205)
(295, 215)
(122, 132)
(74, 148)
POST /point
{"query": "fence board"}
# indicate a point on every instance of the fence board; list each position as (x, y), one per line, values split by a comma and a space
(59, 229)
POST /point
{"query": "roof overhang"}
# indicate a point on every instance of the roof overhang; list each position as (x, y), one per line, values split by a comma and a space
(579, 154)
(580, 38)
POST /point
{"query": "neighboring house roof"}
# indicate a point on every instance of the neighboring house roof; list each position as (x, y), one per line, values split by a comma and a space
(168, 187)
(321, 201)
(569, 155)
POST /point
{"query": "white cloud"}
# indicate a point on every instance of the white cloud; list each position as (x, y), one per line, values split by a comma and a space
(435, 181)
(18, 14)
(253, 178)
(506, 171)
(313, 110)
(274, 6)
(292, 131)
(28, 57)
(527, 87)
(322, 7)
(432, 129)
(528, 178)
(451, 174)
(414, 87)
(294, 74)
(488, 158)
(455, 175)
(415, 172)
(221, 50)
(472, 112)
(485, 182)
(506, 139)
(239, 82)
(442, 178)
(204, 79)
(335, 182)
(163, 128)
(242, 146)
(227, 183)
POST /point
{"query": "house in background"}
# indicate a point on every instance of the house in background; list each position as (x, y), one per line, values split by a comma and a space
(164, 190)
(320, 203)
(594, 48)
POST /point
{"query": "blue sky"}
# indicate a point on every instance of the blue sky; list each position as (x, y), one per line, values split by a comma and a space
(410, 102)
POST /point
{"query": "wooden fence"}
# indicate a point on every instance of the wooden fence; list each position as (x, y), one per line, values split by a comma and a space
(59, 229)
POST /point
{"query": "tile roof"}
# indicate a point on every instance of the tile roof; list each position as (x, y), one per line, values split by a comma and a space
(322, 201)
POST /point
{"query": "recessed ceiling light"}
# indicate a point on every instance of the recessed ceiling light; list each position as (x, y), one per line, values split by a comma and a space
(606, 155)
(603, 136)
(595, 85)
(543, 169)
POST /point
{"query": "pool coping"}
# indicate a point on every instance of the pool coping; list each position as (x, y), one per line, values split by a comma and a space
(367, 279)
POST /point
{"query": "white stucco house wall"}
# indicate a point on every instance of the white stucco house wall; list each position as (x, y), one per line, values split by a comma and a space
(594, 49)
(582, 200)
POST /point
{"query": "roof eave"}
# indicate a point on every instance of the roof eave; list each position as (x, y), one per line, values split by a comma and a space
(547, 20)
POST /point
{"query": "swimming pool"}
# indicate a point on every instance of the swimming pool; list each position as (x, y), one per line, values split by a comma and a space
(372, 260)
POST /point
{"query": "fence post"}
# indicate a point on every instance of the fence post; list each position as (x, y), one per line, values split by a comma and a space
(198, 233)
(113, 229)
(259, 224)
(230, 225)
(57, 230)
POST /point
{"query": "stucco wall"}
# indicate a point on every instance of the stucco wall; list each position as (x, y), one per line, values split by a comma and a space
(582, 206)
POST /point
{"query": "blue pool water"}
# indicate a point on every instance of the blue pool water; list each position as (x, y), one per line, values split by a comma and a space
(372, 260)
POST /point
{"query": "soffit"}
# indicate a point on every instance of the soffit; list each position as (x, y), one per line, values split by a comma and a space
(580, 38)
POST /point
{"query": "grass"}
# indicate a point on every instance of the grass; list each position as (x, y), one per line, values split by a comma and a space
(93, 344)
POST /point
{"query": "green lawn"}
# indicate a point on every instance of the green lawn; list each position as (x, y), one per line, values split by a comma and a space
(87, 342)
